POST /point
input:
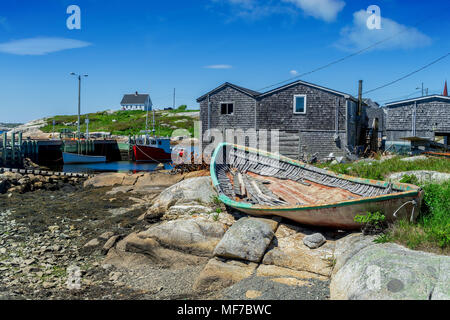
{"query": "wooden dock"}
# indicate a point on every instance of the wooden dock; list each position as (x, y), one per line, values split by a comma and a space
(49, 152)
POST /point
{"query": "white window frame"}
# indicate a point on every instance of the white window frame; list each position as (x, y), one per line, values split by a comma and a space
(226, 102)
(295, 103)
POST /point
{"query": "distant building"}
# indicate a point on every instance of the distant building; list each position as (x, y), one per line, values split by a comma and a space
(136, 101)
(310, 118)
(424, 117)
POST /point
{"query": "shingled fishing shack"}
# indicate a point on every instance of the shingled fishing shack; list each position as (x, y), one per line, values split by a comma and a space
(424, 118)
(311, 119)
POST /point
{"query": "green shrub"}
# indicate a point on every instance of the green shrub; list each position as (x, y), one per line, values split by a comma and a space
(372, 223)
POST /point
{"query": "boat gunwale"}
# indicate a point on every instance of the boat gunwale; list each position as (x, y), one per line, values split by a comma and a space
(409, 190)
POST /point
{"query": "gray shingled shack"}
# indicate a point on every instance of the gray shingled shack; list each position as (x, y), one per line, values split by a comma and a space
(424, 117)
(310, 118)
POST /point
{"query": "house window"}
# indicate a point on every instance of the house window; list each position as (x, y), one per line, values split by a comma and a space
(300, 104)
(226, 108)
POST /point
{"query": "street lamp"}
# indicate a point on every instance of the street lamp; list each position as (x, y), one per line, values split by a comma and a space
(79, 100)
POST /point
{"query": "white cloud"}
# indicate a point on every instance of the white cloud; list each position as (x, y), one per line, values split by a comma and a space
(326, 10)
(359, 36)
(40, 45)
(293, 72)
(219, 66)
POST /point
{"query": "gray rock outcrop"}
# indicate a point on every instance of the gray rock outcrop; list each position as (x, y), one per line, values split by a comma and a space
(392, 272)
(247, 239)
(423, 176)
(198, 191)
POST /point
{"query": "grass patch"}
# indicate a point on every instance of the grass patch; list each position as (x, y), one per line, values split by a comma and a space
(125, 122)
(378, 170)
(431, 232)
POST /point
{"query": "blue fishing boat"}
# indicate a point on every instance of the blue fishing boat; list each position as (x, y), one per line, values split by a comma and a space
(81, 158)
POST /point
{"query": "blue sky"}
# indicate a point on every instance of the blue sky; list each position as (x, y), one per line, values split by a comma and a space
(194, 46)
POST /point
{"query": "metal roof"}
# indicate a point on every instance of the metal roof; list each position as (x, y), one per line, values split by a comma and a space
(256, 94)
(246, 91)
(433, 97)
(134, 99)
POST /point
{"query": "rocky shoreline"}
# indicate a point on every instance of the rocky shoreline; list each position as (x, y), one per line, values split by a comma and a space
(165, 236)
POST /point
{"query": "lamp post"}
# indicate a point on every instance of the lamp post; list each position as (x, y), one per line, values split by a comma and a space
(79, 101)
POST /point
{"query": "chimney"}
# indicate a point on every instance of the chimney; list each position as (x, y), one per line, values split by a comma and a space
(445, 94)
(360, 86)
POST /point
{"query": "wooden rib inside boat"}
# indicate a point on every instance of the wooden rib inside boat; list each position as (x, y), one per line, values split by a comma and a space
(261, 183)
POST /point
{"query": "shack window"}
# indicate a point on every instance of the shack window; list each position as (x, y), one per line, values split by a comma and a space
(300, 103)
(227, 108)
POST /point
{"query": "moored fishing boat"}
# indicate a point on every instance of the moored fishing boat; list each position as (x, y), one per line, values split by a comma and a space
(261, 183)
(73, 158)
(152, 149)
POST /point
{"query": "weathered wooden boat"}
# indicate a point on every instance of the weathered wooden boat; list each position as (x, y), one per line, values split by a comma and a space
(261, 183)
(73, 158)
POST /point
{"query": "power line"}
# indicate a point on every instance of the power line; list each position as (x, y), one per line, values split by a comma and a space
(348, 56)
(400, 98)
(409, 74)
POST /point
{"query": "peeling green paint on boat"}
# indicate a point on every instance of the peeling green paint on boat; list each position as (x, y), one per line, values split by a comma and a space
(409, 190)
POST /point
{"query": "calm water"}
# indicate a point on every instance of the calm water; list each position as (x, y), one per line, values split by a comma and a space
(119, 166)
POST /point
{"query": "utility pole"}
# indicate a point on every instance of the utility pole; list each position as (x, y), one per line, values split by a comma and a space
(174, 98)
(424, 90)
(360, 87)
(79, 107)
(79, 102)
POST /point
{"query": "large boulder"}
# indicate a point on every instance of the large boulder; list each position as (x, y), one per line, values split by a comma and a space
(391, 272)
(157, 179)
(348, 246)
(423, 176)
(105, 180)
(196, 236)
(12, 176)
(139, 182)
(219, 274)
(199, 190)
(136, 249)
(247, 239)
(288, 251)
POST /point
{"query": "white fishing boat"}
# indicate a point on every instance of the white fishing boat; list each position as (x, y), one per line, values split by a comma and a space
(71, 158)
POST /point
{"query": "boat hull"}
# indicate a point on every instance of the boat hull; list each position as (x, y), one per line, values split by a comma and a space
(341, 216)
(404, 203)
(73, 158)
(144, 153)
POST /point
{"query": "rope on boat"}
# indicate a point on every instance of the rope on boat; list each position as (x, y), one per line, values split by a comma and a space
(147, 154)
(414, 202)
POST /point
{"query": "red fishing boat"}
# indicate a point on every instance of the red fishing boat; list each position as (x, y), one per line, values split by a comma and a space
(152, 149)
